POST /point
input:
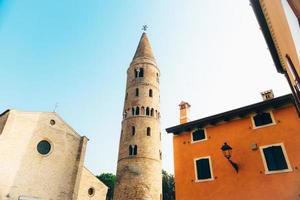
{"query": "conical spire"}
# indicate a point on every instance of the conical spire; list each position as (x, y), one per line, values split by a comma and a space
(144, 48)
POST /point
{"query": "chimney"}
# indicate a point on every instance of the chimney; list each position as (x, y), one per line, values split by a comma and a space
(266, 95)
(184, 112)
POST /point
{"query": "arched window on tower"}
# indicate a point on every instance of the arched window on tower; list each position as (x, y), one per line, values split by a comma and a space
(137, 111)
(132, 110)
(136, 73)
(150, 93)
(148, 131)
(143, 110)
(130, 150)
(147, 111)
(152, 112)
(137, 92)
(133, 130)
(135, 150)
(141, 74)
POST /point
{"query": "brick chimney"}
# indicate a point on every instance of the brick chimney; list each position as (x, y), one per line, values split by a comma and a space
(184, 112)
(268, 94)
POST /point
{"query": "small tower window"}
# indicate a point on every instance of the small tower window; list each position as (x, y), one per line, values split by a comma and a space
(130, 150)
(148, 131)
(137, 111)
(132, 110)
(147, 111)
(137, 92)
(150, 93)
(141, 74)
(143, 110)
(136, 73)
(135, 150)
(133, 130)
(152, 112)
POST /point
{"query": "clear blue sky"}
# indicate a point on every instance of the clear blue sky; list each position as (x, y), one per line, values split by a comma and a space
(210, 53)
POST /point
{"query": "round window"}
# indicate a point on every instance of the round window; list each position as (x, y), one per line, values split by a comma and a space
(44, 147)
(91, 191)
(52, 122)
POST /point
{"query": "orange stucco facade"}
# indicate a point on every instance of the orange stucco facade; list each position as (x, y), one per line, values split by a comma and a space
(251, 182)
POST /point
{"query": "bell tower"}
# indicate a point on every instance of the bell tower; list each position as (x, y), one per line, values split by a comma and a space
(139, 162)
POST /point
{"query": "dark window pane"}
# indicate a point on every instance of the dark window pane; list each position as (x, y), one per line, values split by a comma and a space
(271, 163)
(275, 158)
(198, 135)
(279, 158)
(262, 119)
(43, 147)
(203, 169)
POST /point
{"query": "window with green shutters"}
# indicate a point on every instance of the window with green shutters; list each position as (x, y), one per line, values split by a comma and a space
(275, 159)
(262, 119)
(198, 135)
(203, 169)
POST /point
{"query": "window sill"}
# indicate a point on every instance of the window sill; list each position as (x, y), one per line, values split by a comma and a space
(197, 141)
(263, 126)
(204, 180)
(278, 171)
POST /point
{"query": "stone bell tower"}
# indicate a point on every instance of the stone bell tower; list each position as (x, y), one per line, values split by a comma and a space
(139, 162)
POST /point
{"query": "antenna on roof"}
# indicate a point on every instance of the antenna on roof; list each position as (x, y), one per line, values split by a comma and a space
(55, 107)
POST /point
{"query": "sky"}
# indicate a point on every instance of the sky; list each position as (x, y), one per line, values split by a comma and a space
(211, 54)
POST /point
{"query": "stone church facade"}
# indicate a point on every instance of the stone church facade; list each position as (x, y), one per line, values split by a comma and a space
(139, 162)
(42, 158)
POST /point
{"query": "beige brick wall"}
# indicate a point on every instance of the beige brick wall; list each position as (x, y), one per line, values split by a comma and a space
(88, 180)
(24, 171)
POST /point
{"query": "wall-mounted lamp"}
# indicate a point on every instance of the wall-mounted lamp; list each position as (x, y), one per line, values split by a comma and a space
(227, 150)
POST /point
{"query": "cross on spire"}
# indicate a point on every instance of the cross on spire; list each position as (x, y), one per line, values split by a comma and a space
(145, 27)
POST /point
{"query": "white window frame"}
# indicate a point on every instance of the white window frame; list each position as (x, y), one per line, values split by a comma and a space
(192, 141)
(195, 169)
(263, 126)
(289, 169)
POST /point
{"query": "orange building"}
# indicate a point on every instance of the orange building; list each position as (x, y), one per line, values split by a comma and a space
(264, 160)
(280, 24)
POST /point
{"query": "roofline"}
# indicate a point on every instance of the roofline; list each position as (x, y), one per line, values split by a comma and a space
(230, 115)
(267, 34)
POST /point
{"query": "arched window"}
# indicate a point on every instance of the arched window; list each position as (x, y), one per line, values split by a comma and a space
(130, 150)
(141, 74)
(143, 110)
(137, 92)
(137, 111)
(147, 111)
(152, 112)
(150, 93)
(136, 73)
(133, 130)
(132, 110)
(148, 131)
(135, 150)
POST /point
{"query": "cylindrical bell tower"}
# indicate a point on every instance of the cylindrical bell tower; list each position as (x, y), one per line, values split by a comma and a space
(139, 162)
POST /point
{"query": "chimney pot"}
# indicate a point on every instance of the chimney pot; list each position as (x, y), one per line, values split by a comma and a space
(184, 112)
(268, 94)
